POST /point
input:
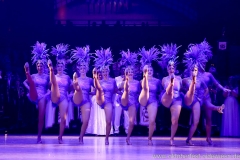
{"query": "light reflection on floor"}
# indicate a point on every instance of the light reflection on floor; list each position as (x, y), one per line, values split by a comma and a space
(25, 147)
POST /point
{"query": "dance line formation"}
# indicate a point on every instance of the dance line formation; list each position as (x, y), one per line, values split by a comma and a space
(102, 93)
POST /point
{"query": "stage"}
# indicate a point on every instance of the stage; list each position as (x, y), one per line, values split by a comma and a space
(25, 147)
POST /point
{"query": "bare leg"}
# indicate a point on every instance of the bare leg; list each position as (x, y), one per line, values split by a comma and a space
(168, 95)
(77, 96)
(132, 115)
(209, 107)
(41, 114)
(55, 95)
(208, 114)
(152, 113)
(167, 99)
(85, 109)
(189, 96)
(99, 91)
(175, 113)
(126, 121)
(212, 107)
(32, 88)
(144, 95)
(63, 107)
(124, 98)
(196, 117)
(108, 114)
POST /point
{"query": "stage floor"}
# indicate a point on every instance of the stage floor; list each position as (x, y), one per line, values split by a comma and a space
(25, 147)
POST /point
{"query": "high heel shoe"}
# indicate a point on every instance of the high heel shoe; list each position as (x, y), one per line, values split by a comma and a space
(150, 142)
(60, 140)
(39, 141)
(81, 140)
(49, 63)
(26, 67)
(106, 142)
(221, 108)
(128, 141)
(209, 141)
(189, 142)
(172, 142)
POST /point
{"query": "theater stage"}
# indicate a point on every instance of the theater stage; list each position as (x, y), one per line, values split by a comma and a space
(25, 147)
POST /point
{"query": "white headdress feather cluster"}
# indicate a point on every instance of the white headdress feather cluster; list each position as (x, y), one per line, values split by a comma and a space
(147, 56)
(103, 58)
(169, 55)
(128, 58)
(40, 53)
(60, 52)
(81, 55)
(194, 57)
(206, 49)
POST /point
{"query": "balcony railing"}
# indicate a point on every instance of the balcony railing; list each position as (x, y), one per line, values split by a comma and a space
(111, 23)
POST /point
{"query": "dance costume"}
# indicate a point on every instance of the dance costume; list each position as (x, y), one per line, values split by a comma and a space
(109, 87)
(154, 90)
(200, 90)
(41, 84)
(64, 82)
(177, 95)
(134, 91)
(85, 84)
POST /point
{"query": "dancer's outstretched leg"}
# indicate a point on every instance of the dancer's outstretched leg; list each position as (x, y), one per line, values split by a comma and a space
(32, 88)
(99, 91)
(168, 95)
(125, 95)
(208, 108)
(55, 94)
(144, 95)
(78, 95)
(189, 96)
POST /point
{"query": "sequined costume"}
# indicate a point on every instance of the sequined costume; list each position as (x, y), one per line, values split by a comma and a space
(64, 83)
(85, 84)
(134, 91)
(177, 95)
(109, 87)
(154, 90)
(200, 89)
(41, 84)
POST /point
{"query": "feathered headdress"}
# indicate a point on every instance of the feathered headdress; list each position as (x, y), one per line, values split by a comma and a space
(169, 55)
(147, 56)
(194, 57)
(103, 58)
(128, 58)
(206, 49)
(39, 53)
(81, 55)
(60, 52)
